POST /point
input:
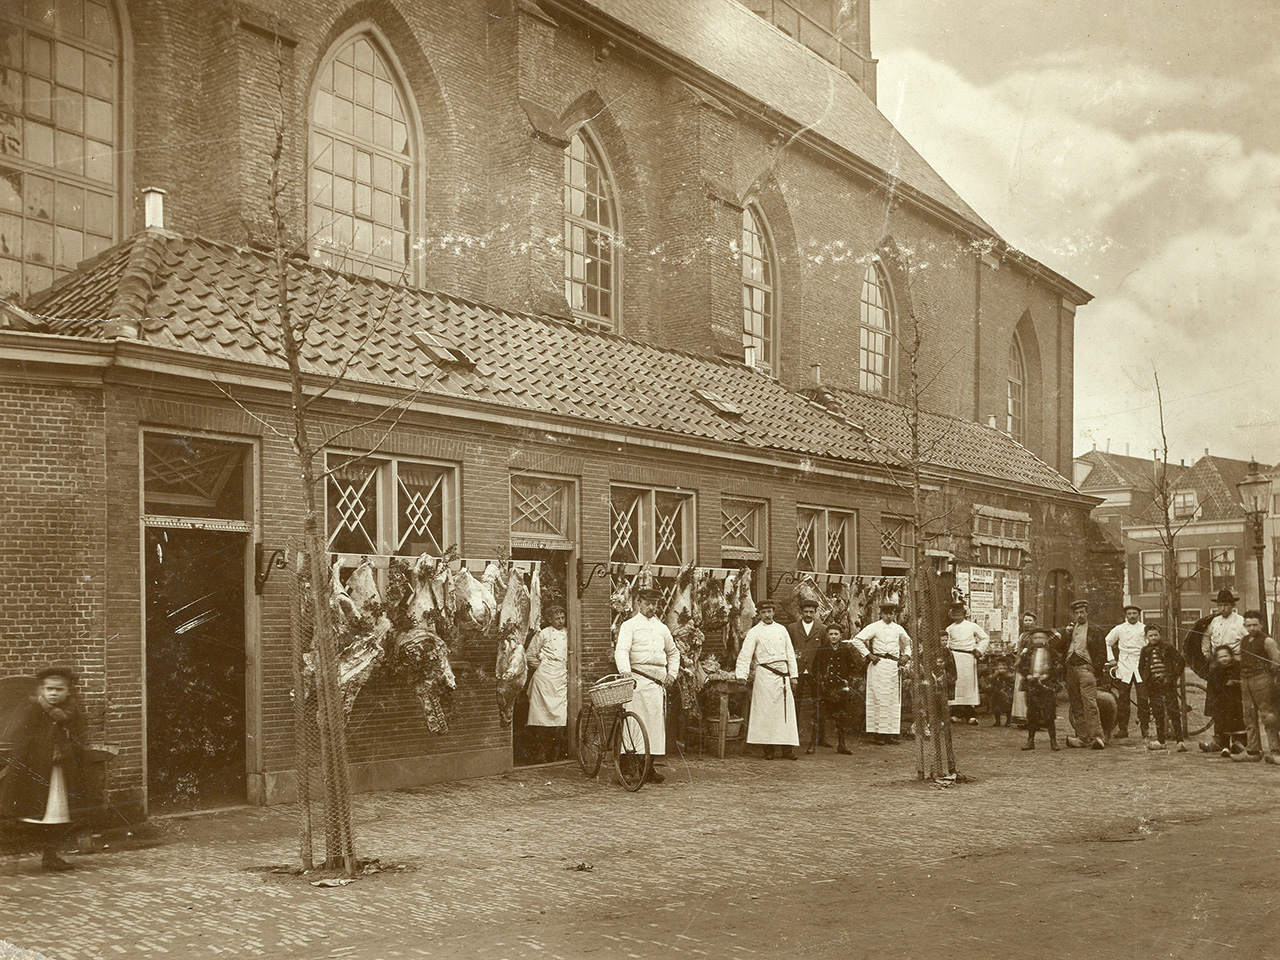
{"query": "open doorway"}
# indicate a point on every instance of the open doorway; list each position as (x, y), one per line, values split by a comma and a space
(539, 742)
(195, 668)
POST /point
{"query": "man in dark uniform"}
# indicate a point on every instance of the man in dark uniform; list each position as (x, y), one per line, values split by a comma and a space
(807, 637)
(834, 669)
(1082, 651)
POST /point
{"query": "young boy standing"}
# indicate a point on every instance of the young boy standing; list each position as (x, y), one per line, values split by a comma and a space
(1161, 666)
(1037, 666)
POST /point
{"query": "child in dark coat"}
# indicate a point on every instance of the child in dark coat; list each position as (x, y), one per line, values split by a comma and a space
(1038, 665)
(42, 785)
(1161, 667)
(1222, 702)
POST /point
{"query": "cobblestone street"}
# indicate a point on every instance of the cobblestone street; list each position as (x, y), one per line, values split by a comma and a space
(828, 856)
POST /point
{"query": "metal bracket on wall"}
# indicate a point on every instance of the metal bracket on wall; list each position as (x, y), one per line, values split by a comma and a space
(262, 574)
(787, 576)
(601, 567)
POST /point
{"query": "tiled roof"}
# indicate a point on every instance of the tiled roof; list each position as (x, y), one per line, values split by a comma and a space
(727, 40)
(1214, 480)
(1114, 470)
(949, 444)
(214, 300)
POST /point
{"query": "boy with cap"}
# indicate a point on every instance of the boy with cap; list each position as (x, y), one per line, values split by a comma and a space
(647, 651)
(767, 650)
(1162, 665)
(1083, 651)
(833, 672)
(967, 642)
(1125, 643)
(886, 646)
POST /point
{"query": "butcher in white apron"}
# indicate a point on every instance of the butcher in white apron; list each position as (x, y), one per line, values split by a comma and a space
(646, 651)
(548, 658)
(967, 641)
(885, 645)
(767, 650)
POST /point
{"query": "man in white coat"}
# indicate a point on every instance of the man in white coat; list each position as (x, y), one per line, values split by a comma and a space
(1124, 645)
(647, 652)
(548, 658)
(967, 641)
(886, 646)
(767, 648)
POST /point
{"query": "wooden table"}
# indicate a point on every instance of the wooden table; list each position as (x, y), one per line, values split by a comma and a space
(724, 687)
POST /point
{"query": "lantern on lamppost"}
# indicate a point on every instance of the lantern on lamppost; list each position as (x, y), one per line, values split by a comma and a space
(1255, 494)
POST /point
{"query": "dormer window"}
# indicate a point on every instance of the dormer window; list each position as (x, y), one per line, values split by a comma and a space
(1185, 505)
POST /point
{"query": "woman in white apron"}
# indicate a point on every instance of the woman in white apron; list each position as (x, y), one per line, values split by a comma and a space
(548, 658)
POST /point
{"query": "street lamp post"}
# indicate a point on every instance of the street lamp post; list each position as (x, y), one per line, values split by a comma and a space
(1255, 494)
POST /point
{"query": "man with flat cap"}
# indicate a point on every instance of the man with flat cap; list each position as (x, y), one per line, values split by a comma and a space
(967, 642)
(886, 647)
(1124, 644)
(1083, 653)
(767, 650)
(646, 651)
(807, 636)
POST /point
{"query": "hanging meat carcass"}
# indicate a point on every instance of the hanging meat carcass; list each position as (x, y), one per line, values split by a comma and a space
(476, 603)
(422, 651)
(711, 601)
(362, 626)
(511, 669)
(742, 614)
(535, 601)
(681, 620)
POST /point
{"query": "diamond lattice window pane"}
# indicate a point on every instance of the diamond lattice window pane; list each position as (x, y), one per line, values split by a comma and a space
(420, 510)
(624, 510)
(352, 509)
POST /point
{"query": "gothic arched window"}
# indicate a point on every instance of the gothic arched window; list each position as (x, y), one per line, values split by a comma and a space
(362, 163)
(590, 235)
(875, 327)
(759, 300)
(1016, 393)
(60, 140)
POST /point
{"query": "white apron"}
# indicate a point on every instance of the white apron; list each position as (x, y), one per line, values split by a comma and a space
(648, 704)
(549, 688)
(1019, 709)
(773, 702)
(645, 646)
(966, 680)
(884, 681)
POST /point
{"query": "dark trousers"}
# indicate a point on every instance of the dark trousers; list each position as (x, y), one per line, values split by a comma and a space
(1124, 701)
(1165, 707)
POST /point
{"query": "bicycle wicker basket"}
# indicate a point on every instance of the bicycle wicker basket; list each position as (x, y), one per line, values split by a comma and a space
(611, 691)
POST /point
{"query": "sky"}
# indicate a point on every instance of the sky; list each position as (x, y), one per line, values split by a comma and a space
(1134, 147)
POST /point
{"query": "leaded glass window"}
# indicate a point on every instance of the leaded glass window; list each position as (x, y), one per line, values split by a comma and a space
(875, 330)
(399, 507)
(1016, 392)
(59, 139)
(541, 508)
(757, 292)
(651, 526)
(742, 529)
(590, 236)
(362, 164)
(826, 541)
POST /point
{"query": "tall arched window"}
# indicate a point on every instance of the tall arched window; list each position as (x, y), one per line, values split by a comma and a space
(875, 333)
(590, 236)
(59, 139)
(362, 165)
(1016, 393)
(758, 299)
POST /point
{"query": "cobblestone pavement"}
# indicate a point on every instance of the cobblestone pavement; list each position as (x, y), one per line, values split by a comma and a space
(490, 868)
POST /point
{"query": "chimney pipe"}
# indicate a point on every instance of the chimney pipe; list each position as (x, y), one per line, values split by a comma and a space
(1126, 449)
(153, 205)
(1206, 451)
(1108, 444)
(815, 374)
(991, 421)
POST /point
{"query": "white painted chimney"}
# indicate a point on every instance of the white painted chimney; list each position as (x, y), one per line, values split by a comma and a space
(153, 205)
(991, 421)
(815, 374)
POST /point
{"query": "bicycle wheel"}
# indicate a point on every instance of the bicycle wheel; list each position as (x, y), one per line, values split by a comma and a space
(590, 738)
(1194, 720)
(632, 759)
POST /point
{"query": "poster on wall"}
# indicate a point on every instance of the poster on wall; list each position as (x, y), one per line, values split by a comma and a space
(993, 597)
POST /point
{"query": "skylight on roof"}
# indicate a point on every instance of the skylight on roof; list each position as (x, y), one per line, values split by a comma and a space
(719, 404)
(445, 354)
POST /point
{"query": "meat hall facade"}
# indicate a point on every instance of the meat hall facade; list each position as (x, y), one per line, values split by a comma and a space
(589, 285)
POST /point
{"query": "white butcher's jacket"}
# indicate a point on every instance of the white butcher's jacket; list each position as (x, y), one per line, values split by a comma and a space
(1225, 631)
(773, 702)
(646, 649)
(1125, 641)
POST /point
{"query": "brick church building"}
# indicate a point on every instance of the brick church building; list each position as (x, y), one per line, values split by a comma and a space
(638, 279)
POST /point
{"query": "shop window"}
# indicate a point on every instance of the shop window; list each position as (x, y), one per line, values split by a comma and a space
(1222, 565)
(590, 235)
(1152, 564)
(400, 507)
(758, 292)
(59, 139)
(1015, 392)
(362, 166)
(652, 526)
(875, 332)
(826, 541)
(743, 529)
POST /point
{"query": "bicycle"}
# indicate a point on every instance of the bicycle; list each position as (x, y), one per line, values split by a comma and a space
(625, 735)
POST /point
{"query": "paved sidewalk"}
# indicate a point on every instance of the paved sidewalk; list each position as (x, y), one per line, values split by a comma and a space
(489, 865)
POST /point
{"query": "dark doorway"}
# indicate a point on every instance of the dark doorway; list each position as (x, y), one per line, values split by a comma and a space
(531, 745)
(195, 668)
(1058, 594)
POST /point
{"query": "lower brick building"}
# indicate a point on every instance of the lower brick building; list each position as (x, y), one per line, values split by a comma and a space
(150, 485)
